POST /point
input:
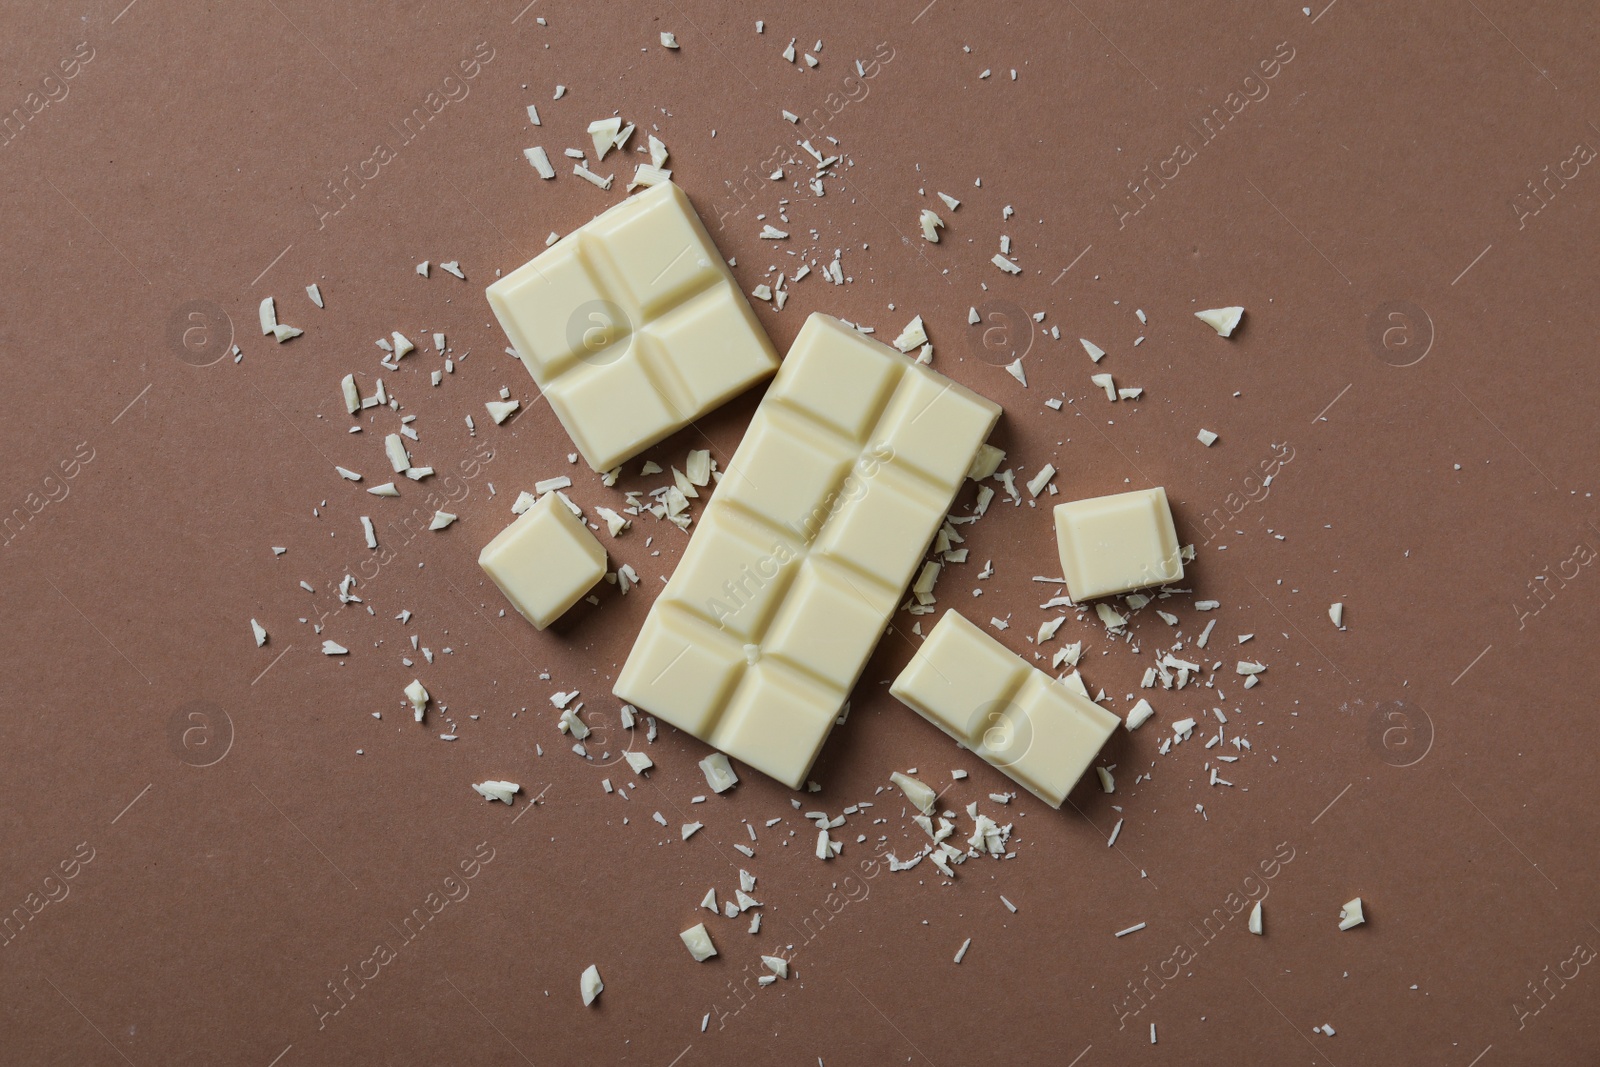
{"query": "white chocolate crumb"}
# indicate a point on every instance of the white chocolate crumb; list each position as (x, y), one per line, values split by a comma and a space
(494, 790)
(590, 176)
(1223, 320)
(914, 335)
(719, 773)
(590, 985)
(698, 941)
(540, 160)
(921, 796)
(399, 459)
(418, 696)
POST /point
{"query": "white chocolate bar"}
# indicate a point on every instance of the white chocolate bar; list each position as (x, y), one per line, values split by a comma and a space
(544, 561)
(632, 326)
(1021, 721)
(805, 549)
(1114, 544)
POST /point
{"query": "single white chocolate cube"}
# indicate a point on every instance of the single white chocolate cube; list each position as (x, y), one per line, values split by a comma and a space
(1017, 718)
(544, 561)
(801, 555)
(633, 326)
(1115, 544)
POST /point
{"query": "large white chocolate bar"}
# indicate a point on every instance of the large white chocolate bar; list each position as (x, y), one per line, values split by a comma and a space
(1020, 720)
(1115, 544)
(806, 547)
(632, 326)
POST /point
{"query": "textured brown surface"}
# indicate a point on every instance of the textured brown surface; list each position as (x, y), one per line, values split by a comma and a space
(1436, 758)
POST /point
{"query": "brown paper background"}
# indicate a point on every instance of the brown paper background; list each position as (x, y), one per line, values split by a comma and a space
(1379, 172)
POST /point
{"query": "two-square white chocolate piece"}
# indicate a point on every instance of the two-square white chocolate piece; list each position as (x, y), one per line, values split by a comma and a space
(1016, 717)
(1115, 544)
(805, 549)
(633, 326)
(545, 561)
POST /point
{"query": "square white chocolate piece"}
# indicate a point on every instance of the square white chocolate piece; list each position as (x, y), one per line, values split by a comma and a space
(1016, 717)
(805, 548)
(1115, 544)
(633, 326)
(545, 561)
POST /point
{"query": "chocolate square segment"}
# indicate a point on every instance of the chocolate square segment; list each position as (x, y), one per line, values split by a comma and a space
(633, 326)
(1022, 722)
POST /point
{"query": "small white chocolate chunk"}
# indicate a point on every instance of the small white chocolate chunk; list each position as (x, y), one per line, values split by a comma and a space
(418, 696)
(698, 941)
(497, 790)
(1116, 544)
(719, 773)
(912, 336)
(501, 410)
(922, 796)
(399, 459)
(590, 985)
(1223, 320)
(352, 395)
(545, 561)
